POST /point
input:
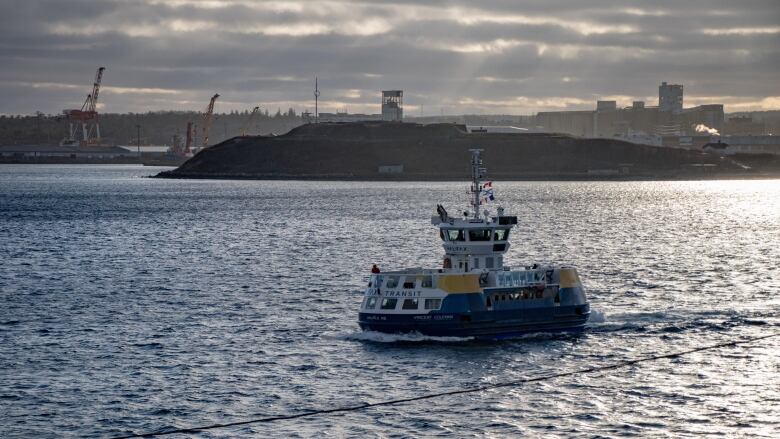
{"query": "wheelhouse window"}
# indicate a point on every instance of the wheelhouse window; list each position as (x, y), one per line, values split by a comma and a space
(442, 235)
(432, 303)
(479, 235)
(455, 235)
(410, 304)
(427, 282)
(389, 303)
(392, 282)
(501, 234)
(409, 282)
(370, 303)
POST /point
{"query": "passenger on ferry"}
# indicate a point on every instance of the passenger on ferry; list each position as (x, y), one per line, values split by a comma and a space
(375, 269)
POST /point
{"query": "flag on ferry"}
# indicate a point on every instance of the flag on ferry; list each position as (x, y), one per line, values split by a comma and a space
(487, 193)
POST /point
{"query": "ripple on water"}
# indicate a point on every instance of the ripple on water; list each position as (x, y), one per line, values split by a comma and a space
(133, 304)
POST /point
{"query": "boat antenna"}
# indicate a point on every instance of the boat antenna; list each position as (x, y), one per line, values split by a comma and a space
(477, 173)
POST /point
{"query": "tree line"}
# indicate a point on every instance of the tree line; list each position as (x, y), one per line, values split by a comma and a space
(156, 127)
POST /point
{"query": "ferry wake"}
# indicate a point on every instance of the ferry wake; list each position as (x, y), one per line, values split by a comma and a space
(474, 294)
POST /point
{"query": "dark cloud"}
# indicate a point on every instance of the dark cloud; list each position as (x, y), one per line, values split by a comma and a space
(492, 56)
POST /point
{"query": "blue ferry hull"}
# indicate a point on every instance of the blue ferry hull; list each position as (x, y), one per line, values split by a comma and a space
(481, 324)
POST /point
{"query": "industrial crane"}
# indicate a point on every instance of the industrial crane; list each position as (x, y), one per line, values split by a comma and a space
(207, 117)
(249, 120)
(87, 116)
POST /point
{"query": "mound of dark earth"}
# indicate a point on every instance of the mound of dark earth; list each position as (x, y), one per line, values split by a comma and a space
(406, 151)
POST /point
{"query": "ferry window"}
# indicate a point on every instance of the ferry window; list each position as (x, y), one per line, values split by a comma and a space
(389, 303)
(489, 262)
(476, 262)
(371, 303)
(479, 235)
(442, 235)
(501, 234)
(455, 235)
(392, 282)
(409, 283)
(427, 282)
(409, 304)
(432, 303)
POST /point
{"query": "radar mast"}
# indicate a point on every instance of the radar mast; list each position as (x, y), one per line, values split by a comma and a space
(477, 173)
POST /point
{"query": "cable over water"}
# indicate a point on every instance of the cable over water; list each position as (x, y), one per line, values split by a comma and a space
(474, 389)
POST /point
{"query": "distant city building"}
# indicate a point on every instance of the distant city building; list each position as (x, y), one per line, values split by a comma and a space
(670, 97)
(606, 105)
(637, 121)
(392, 105)
(743, 125)
(752, 144)
(32, 152)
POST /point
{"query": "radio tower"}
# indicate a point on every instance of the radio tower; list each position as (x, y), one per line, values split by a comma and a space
(316, 99)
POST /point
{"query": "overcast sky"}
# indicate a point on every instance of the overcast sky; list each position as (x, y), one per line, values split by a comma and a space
(502, 56)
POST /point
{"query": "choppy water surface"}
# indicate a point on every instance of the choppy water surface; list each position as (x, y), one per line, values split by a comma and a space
(132, 304)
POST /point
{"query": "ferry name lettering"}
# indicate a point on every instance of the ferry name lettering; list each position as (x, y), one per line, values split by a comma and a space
(402, 294)
(456, 248)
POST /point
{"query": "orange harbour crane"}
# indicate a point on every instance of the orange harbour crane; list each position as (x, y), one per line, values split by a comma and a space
(208, 116)
(245, 128)
(86, 118)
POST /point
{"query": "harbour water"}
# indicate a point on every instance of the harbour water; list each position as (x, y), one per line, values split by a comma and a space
(132, 304)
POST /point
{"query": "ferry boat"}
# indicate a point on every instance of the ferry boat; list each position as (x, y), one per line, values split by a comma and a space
(474, 294)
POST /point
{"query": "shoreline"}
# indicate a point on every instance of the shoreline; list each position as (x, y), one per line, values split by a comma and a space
(456, 178)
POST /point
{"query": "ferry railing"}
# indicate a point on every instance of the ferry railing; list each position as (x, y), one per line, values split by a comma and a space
(520, 278)
(429, 278)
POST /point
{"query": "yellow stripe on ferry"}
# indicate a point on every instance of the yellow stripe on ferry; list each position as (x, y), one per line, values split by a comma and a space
(569, 278)
(459, 283)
